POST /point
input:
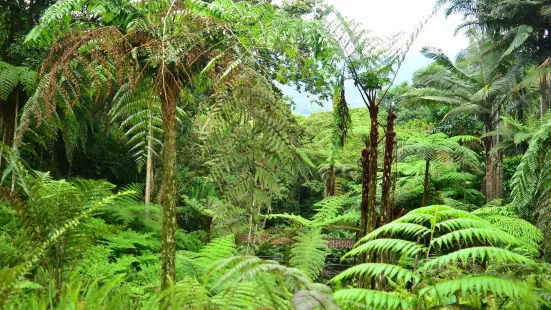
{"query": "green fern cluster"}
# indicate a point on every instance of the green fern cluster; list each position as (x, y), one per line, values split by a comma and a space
(249, 147)
(444, 257)
(309, 249)
(211, 278)
(11, 77)
(530, 183)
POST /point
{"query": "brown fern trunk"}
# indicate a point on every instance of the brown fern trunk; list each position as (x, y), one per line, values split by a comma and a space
(545, 98)
(499, 190)
(490, 174)
(386, 205)
(169, 194)
(426, 185)
(331, 191)
(365, 191)
(373, 156)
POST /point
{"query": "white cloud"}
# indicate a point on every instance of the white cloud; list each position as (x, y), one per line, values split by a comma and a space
(385, 17)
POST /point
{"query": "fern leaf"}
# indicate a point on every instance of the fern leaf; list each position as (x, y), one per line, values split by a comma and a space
(372, 270)
(375, 299)
(309, 251)
(404, 247)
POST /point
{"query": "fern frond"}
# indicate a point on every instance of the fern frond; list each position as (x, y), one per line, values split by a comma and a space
(376, 299)
(372, 270)
(474, 253)
(482, 284)
(395, 246)
(309, 251)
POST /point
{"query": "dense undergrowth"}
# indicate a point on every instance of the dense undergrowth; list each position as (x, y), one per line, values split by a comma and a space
(150, 160)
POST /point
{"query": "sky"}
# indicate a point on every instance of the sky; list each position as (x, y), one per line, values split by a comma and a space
(385, 17)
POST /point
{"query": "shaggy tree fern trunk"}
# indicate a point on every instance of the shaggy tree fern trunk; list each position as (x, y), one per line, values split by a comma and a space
(365, 190)
(387, 207)
(373, 156)
(169, 194)
(331, 191)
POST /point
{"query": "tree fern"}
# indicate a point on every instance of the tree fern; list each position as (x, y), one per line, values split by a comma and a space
(530, 182)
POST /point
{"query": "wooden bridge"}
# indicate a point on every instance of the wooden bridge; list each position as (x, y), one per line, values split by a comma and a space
(333, 243)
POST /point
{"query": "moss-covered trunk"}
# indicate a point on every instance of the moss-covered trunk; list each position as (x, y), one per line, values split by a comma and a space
(494, 165)
(149, 167)
(169, 194)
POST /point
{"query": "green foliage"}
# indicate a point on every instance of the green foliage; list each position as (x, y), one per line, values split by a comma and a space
(530, 182)
(137, 114)
(118, 70)
(444, 256)
(12, 77)
(439, 147)
(309, 251)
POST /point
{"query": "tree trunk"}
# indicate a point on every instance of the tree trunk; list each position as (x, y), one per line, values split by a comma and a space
(490, 170)
(149, 168)
(386, 205)
(500, 194)
(331, 191)
(426, 185)
(169, 193)
(16, 115)
(373, 156)
(544, 96)
(2, 130)
(494, 169)
(365, 191)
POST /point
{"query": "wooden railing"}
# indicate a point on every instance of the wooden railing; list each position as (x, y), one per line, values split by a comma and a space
(333, 243)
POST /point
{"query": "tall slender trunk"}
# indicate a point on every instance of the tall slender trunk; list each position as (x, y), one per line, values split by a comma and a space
(331, 190)
(169, 192)
(426, 185)
(494, 166)
(500, 193)
(365, 190)
(16, 115)
(545, 98)
(149, 167)
(373, 156)
(2, 131)
(490, 169)
(386, 205)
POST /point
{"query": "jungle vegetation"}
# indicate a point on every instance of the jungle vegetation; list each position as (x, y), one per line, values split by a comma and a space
(150, 160)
